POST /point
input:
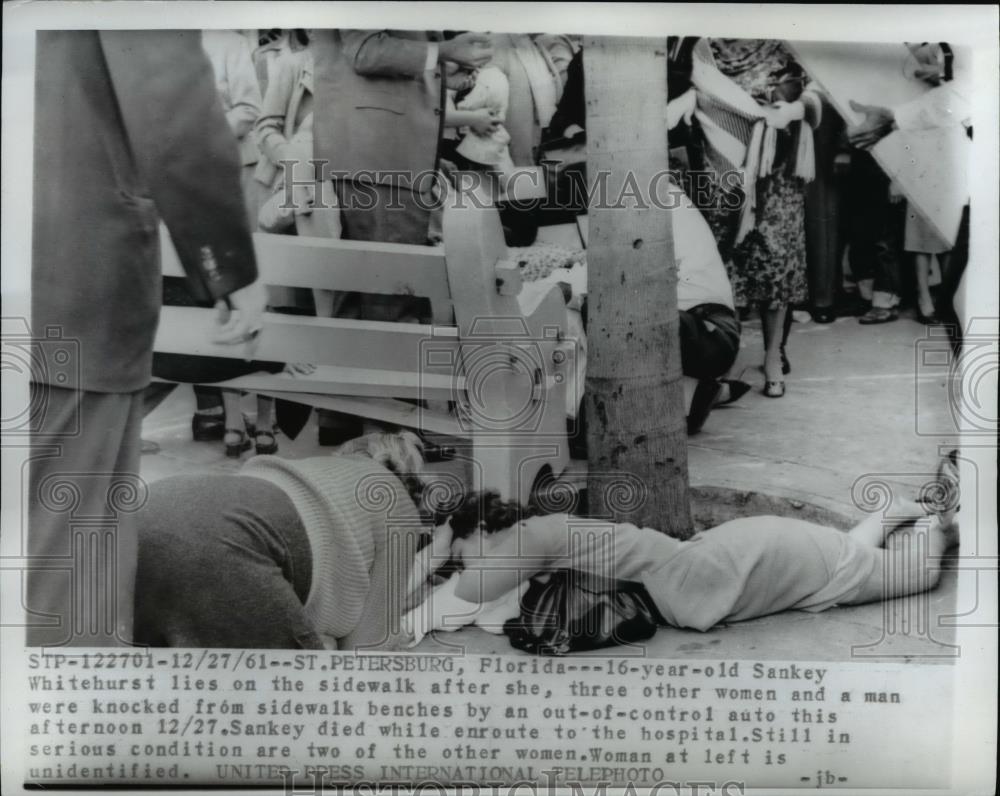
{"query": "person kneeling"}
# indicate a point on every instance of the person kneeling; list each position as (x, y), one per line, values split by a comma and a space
(303, 554)
(709, 326)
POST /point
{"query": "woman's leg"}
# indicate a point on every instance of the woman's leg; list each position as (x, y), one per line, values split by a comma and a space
(909, 564)
(235, 440)
(773, 318)
(922, 262)
(264, 431)
(871, 531)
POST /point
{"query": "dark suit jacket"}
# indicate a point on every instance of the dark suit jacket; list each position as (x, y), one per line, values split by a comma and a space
(128, 129)
(376, 107)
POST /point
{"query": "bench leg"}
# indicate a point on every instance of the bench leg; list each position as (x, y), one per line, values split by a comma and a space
(503, 465)
(494, 466)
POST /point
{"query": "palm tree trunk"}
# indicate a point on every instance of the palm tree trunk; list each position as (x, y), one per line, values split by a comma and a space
(636, 431)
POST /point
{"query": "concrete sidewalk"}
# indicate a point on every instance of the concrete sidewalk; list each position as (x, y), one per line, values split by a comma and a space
(865, 405)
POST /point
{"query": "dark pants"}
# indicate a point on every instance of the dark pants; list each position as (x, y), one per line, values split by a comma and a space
(383, 214)
(224, 561)
(875, 225)
(822, 220)
(710, 340)
(84, 489)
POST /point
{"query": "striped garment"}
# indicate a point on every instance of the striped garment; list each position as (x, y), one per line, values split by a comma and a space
(738, 135)
(362, 528)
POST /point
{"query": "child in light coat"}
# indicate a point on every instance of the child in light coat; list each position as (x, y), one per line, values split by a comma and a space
(491, 92)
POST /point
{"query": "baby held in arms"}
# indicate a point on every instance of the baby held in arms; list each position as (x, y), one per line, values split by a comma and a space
(742, 569)
(488, 146)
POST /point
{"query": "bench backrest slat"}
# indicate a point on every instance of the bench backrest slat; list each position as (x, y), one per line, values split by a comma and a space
(319, 341)
(329, 263)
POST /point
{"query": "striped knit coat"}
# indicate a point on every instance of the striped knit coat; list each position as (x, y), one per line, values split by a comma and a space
(362, 528)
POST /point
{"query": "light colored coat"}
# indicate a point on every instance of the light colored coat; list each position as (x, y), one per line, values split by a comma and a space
(287, 103)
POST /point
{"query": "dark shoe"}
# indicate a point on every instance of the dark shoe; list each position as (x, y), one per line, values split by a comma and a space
(852, 305)
(207, 428)
(786, 366)
(737, 389)
(701, 404)
(928, 320)
(878, 315)
(824, 315)
(774, 389)
(264, 443)
(237, 442)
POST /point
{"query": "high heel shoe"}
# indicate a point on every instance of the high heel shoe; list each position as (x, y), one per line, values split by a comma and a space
(265, 444)
(774, 389)
(737, 389)
(237, 442)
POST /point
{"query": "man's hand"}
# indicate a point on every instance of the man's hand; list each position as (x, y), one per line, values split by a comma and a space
(300, 369)
(469, 50)
(876, 125)
(484, 122)
(241, 319)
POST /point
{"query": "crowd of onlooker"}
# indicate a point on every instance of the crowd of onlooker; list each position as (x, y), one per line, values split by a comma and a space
(787, 210)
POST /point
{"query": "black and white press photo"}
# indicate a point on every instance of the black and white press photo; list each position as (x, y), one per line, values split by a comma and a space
(500, 395)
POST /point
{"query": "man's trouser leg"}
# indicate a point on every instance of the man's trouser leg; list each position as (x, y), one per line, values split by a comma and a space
(710, 340)
(84, 490)
(377, 213)
(873, 236)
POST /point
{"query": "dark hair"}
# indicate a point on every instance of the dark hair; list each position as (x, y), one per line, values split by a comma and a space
(487, 510)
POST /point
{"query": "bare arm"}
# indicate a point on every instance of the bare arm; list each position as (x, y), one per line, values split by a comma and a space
(510, 557)
(481, 121)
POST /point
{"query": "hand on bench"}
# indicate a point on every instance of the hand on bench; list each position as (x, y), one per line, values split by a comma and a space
(300, 369)
(243, 325)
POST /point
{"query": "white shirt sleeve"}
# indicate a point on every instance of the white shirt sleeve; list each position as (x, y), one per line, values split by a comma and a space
(432, 57)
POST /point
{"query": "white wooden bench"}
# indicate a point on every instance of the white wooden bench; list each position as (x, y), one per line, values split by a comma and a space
(487, 371)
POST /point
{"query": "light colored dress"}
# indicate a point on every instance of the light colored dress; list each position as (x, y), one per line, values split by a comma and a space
(742, 569)
(919, 236)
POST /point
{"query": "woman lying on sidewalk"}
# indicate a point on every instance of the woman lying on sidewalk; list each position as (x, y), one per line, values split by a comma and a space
(742, 569)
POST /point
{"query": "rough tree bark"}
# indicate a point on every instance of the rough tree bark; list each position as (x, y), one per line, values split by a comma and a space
(636, 433)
